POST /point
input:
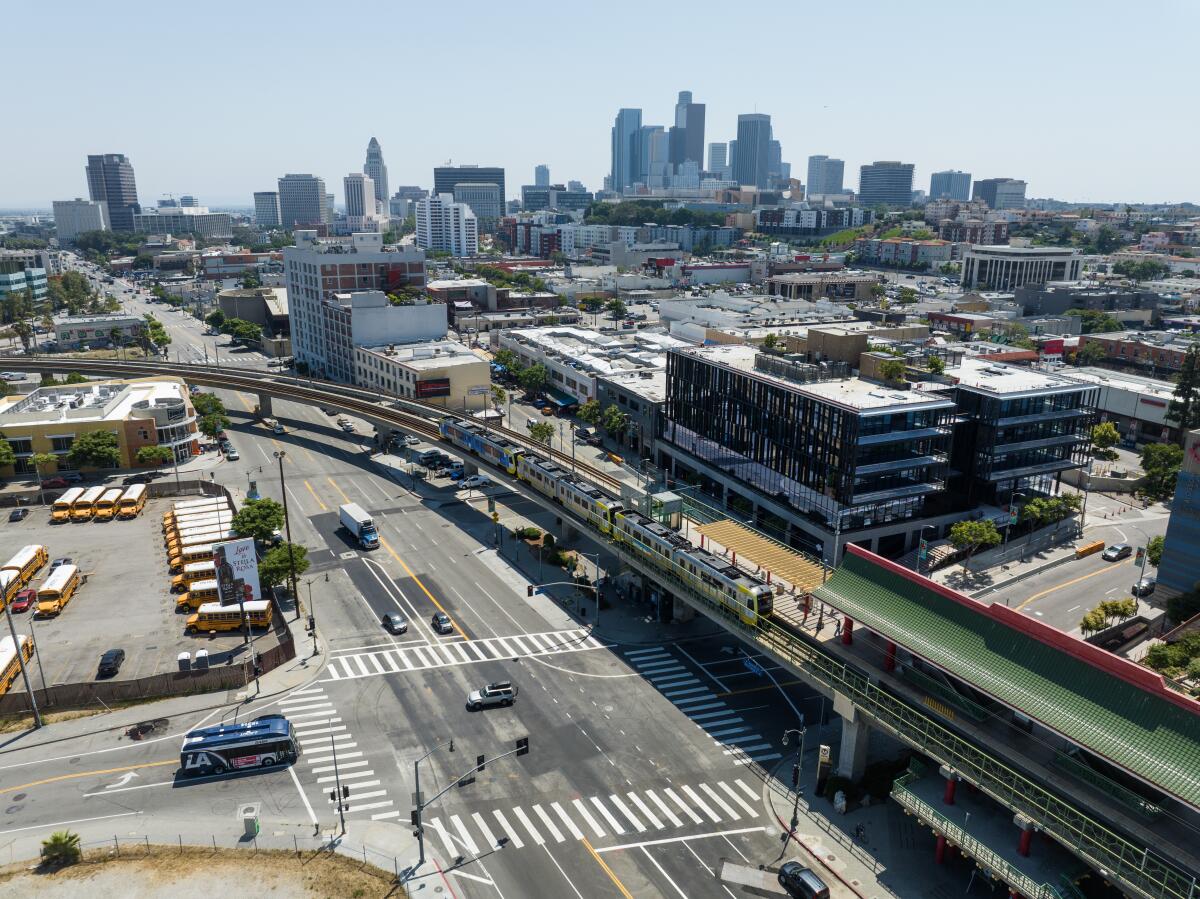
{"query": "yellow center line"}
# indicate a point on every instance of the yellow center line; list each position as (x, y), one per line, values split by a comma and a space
(424, 589)
(607, 870)
(324, 508)
(1083, 577)
(334, 485)
(48, 780)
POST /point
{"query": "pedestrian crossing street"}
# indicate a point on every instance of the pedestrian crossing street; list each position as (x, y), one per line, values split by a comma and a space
(727, 729)
(324, 739)
(597, 817)
(415, 657)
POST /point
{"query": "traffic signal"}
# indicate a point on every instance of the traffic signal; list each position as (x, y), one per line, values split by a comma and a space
(413, 817)
(345, 792)
(523, 746)
(795, 775)
(1141, 554)
(479, 760)
(529, 589)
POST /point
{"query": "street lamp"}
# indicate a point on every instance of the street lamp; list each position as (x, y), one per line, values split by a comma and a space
(1012, 519)
(280, 455)
(802, 730)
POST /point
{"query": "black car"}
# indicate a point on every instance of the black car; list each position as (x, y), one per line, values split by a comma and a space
(801, 882)
(110, 662)
(1145, 586)
(135, 479)
(394, 623)
(18, 514)
(442, 624)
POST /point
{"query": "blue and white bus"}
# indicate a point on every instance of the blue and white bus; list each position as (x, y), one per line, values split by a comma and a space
(268, 740)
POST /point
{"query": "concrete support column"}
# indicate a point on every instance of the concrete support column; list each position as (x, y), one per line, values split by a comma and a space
(939, 852)
(852, 754)
(264, 406)
(889, 661)
(847, 631)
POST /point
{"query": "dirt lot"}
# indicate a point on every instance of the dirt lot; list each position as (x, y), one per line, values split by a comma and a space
(202, 874)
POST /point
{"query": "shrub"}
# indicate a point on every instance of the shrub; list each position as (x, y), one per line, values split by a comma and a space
(61, 848)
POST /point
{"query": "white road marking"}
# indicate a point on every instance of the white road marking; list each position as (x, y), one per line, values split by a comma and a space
(524, 819)
(550, 826)
(509, 830)
(612, 822)
(701, 804)
(738, 799)
(666, 876)
(482, 825)
(582, 809)
(633, 797)
(339, 766)
(462, 832)
(312, 816)
(664, 808)
(566, 820)
(684, 839)
(725, 806)
(624, 810)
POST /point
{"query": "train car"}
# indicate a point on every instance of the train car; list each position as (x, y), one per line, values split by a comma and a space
(740, 592)
(541, 474)
(476, 439)
(588, 502)
(651, 539)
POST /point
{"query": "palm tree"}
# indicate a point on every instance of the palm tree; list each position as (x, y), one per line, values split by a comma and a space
(61, 848)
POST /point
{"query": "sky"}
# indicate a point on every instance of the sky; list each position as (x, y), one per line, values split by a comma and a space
(1086, 101)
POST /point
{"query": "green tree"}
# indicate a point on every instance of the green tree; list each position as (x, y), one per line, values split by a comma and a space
(207, 404)
(590, 412)
(41, 463)
(1160, 462)
(907, 295)
(591, 304)
(508, 359)
(95, 449)
(250, 280)
(542, 432)
(1095, 321)
(212, 424)
(1154, 550)
(499, 396)
(7, 456)
(534, 378)
(1143, 270)
(154, 455)
(276, 564)
(74, 378)
(937, 365)
(878, 291)
(258, 518)
(972, 535)
(1104, 437)
(615, 421)
(893, 370)
(60, 849)
(1184, 408)
(215, 319)
(1090, 354)
(24, 331)
(770, 342)
(615, 308)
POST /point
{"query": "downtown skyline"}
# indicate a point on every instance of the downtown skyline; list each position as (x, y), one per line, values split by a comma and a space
(1036, 123)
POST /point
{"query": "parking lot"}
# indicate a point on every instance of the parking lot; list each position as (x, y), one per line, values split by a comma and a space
(124, 603)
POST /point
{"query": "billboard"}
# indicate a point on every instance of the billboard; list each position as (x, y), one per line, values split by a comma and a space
(433, 387)
(236, 562)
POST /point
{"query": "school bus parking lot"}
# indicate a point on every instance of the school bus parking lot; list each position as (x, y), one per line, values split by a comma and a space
(125, 601)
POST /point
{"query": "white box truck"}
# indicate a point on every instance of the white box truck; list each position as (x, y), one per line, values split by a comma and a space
(359, 524)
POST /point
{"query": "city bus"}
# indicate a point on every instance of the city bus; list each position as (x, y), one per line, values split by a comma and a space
(61, 510)
(215, 519)
(106, 505)
(268, 740)
(85, 507)
(198, 594)
(133, 500)
(212, 616)
(198, 552)
(10, 665)
(26, 563)
(193, 572)
(210, 504)
(192, 536)
(56, 591)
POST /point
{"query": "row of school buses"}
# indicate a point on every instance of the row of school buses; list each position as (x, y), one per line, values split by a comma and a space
(99, 503)
(190, 531)
(56, 590)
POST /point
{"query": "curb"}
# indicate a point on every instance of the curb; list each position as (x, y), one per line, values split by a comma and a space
(1045, 566)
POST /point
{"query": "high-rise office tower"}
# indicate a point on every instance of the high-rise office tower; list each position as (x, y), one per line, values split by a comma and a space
(750, 165)
(74, 217)
(825, 176)
(950, 185)
(360, 195)
(110, 181)
(187, 201)
(687, 134)
(625, 133)
(541, 175)
(718, 158)
(1000, 193)
(374, 169)
(303, 201)
(774, 163)
(485, 200)
(886, 183)
(266, 209)
(447, 176)
(653, 149)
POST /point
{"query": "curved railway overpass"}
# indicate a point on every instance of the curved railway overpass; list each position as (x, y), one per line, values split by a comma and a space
(1127, 858)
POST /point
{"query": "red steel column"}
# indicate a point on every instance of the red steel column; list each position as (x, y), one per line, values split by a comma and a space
(889, 663)
(951, 786)
(847, 631)
(1026, 841)
(939, 853)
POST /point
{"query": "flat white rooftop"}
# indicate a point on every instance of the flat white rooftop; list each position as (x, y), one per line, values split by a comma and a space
(96, 401)
(995, 377)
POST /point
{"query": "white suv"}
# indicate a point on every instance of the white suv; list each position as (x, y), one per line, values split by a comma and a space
(500, 693)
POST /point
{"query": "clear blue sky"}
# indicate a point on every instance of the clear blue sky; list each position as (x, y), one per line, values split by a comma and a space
(1084, 100)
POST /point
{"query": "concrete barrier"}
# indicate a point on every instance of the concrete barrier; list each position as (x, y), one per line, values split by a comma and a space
(1089, 548)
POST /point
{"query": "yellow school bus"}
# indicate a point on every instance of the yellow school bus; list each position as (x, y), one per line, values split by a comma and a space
(26, 563)
(61, 510)
(186, 555)
(205, 534)
(10, 586)
(198, 594)
(106, 505)
(191, 523)
(85, 507)
(10, 665)
(56, 591)
(212, 616)
(192, 573)
(195, 507)
(133, 500)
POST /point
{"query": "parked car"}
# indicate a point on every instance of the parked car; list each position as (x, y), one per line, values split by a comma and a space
(231, 455)
(135, 479)
(51, 483)
(110, 663)
(590, 438)
(476, 481)
(394, 623)
(18, 514)
(499, 693)
(1117, 551)
(441, 623)
(347, 426)
(65, 560)
(73, 477)
(24, 600)
(801, 882)
(1145, 586)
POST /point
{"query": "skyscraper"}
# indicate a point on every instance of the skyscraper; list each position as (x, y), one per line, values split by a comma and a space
(653, 153)
(718, 158)
(687, 134)
(624, 148)
(360, 195)
(447, 176)
(485, 200)
(825, 176)
(110, 181)
(886, 183)
(774, 163)
(266, 209)
(377, 172)
(1000, 193)
(750, 165)
(950, 185)
(303, 201)
(541, 175)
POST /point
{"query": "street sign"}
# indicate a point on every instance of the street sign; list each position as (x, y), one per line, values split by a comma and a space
(753, 667)
(481, 390)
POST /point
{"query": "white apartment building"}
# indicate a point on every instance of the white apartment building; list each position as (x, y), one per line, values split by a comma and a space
(74, 217)
(446, 226)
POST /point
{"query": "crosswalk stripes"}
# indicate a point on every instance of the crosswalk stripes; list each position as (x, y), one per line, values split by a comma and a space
(399, 659)
(676, 682)
(608, 816)
(333, 758)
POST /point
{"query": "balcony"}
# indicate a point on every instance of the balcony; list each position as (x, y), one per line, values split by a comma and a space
(1060, 440)
(897, 436)
(878, 496)
(1056, 415)
(1009, 474)
(906, 462)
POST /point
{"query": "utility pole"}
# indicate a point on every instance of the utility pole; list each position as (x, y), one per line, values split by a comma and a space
(337, 781)
(797, 770)
(37, 716)
(287, 524)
